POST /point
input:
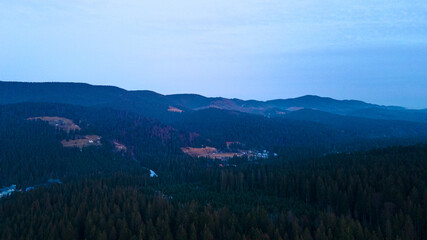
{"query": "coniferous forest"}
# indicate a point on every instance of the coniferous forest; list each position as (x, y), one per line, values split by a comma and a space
(213, 120)
(380, 194)
(358, 179)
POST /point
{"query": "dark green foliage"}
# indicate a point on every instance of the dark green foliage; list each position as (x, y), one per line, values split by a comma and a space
(315, 132)
(380, 194)
(30, 151)
(152, 104)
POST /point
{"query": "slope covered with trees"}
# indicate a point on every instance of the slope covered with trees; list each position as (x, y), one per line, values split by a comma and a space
(380, 194)
(155, 105)
(304, 130)
(108, 193)
(31, 151)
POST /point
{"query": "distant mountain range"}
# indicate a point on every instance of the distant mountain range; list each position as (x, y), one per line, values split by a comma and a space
(156, 105)
(138, 164)
(181, 120)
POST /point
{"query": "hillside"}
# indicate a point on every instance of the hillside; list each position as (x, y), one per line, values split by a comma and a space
(155, 105)
(156, 122)
(150, 142)
(97, 162)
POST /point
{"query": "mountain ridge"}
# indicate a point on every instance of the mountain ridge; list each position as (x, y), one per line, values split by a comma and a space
(155, 104)
(194, 95)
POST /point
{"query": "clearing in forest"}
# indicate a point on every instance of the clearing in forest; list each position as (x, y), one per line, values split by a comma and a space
(119, 147)
(83, 141)
(59, 122)
(174, 109)
(210, 152)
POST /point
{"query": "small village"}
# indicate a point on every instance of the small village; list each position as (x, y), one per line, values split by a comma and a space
(213, 153)
(6, 191)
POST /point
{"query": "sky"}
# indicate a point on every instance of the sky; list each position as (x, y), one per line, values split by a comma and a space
(373, 50)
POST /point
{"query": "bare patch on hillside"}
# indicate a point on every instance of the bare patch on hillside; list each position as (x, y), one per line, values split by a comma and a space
(119, 147)
(292, 109)
(210, 152)
(59, 122)
(174, 109)
(199, 152)
(213, 153)
(83, 141)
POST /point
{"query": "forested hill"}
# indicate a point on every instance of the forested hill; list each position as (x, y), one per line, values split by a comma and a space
(31, 151)
(300, 123)
(72, 93)
(299, 130)
(156, 105)
(226, 168)
(148, 139)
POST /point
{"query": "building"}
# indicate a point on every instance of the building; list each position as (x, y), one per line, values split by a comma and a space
(4, 192)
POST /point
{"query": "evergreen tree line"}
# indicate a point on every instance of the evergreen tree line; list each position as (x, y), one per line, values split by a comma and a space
(380, 194)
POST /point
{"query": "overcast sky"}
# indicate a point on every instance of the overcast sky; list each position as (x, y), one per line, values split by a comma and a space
(373, 50)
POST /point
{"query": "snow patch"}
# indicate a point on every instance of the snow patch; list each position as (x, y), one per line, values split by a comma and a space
(153, 174)
(4, 192)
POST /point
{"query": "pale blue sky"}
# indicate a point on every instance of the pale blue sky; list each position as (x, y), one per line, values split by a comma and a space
(372, 50)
